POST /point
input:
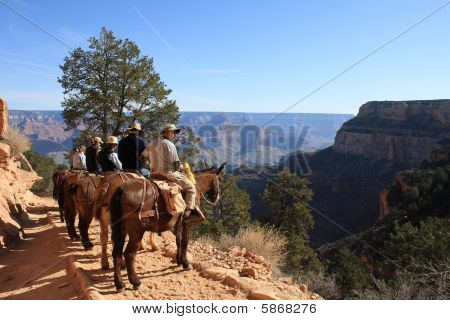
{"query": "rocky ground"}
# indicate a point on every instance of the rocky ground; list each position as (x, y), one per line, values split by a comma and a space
(35, 268)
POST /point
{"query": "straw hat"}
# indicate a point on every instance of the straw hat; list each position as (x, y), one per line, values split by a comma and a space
(112, 140)
(135, 126)
(170, 127)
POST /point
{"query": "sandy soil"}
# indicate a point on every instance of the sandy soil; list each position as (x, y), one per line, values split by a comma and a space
(35, 267)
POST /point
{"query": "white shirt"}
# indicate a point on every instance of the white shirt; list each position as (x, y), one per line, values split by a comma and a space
(114, 159)
(79, 161)
(162, 153)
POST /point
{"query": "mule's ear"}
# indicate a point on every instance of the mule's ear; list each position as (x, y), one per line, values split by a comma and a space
(220, 169)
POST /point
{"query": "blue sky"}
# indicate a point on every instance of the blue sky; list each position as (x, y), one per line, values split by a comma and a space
(253, 56)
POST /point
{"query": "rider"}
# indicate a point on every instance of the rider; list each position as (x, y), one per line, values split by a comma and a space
(92, 163)
(79, 159)
(108, 158)
(164, 159)
(130, 149)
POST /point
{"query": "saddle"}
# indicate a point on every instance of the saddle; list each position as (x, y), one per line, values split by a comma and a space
(171, 194)
(158, 176)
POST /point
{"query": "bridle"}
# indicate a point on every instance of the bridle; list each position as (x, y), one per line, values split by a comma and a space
(202, 195)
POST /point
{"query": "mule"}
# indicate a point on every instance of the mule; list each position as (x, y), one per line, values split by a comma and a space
(67, 202)
(57, 180)
(82, 193)
(109, 183)
(137, 196)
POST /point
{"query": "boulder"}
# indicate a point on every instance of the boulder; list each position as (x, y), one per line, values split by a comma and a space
(5, 152)
(262, 294)
(218, 273)
(248, 272)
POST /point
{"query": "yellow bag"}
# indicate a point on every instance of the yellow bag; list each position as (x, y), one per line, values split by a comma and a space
(173, 198)
(189, 174)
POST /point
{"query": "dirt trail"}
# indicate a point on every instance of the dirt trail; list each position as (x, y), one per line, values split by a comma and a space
(35, 268)
(161, 278)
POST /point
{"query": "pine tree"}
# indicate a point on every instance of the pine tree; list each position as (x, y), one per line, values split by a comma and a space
(286, 198)
(111, 85)
(230, 214)
(349, 272)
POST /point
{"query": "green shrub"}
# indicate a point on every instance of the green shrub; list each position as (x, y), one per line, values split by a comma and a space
(44, 167)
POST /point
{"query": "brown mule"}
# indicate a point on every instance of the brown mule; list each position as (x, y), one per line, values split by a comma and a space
(66, 200)
(57, 180)
(136, 197)
(109, 183)
(83, 196)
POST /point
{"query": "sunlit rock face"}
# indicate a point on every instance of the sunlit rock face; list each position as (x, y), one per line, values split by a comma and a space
(397, 131)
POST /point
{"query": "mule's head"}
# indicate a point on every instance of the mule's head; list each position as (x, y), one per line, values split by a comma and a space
(208, 182)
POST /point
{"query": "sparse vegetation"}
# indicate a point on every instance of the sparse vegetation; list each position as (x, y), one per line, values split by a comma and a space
(264, 241)
(433, 283)
(321, 283)
(18, 142)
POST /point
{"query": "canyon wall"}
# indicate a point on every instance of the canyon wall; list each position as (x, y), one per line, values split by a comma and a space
(397, 131)
(347, 178)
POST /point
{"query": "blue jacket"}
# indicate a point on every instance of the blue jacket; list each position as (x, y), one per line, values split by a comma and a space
(130, 148)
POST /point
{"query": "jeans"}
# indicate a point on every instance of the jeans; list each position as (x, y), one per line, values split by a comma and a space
(145, 172)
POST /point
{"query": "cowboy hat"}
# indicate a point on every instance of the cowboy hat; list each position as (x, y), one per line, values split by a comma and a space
(170, 127)
(135, 126)
(112, 140)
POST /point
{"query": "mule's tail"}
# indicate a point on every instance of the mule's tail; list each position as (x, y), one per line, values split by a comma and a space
(55, 185)
(61, 195)
(115, 209)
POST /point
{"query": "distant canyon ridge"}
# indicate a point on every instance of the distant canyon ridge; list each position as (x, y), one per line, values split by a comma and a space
(249, 139)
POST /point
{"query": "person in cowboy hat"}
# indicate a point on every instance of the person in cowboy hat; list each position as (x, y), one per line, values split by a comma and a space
(92, 163)
(108, 157)
(164, 159)
(130, 149)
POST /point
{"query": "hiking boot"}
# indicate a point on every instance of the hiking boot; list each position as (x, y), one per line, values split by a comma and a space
(194, 216)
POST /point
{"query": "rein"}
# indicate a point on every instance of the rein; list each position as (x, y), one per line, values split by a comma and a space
(202, 195)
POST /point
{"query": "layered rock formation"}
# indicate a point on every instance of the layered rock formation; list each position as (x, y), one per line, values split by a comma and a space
(236, 137)
(3, 117)
(14, 199)
(347, 178)
(14, 189)
(397, 131)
